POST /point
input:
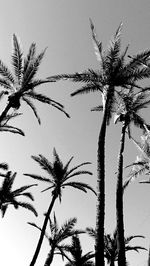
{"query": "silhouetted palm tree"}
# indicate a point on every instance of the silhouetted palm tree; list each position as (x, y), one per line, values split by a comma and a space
(21, 84)
(58, 235)
(111, 251)
(78, 259)
(10, 197)
(129, 106)
(113, 73)
(58, 179)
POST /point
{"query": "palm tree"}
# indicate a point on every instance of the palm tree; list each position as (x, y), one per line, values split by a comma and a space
(58, 235)
(111, 250)
(76, 252)
(113, 73)
(58, 179)
(21, 84)
(129, 105)
(10, 197)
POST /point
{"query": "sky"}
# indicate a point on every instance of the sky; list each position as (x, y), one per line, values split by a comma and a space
(63, 27)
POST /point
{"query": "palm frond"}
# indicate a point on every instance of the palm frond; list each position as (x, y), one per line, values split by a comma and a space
(38, 177)
(32, 107)
(81, 186)
(12, 129)
(80, 173)
(97, 44)
(4, 71)
(44, 163)
(17, 59)
(27, 206)
(29, 58)
(18, 192)
(32, 69)
(76, 167)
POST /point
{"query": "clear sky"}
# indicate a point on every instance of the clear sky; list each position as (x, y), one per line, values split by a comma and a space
(63, 27)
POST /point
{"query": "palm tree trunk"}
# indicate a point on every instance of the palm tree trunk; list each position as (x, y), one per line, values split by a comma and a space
(119, 202)
(43, 231)
(112, 263)
(100, 208)
(50, 256)
(4, 113)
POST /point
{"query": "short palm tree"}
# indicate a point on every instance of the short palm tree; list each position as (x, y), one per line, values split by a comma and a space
(20, 85)
(111, 250)
(58, 235)
(58, 179)
(113, 73)
(76, 253)
(10, 197)
(128, 107)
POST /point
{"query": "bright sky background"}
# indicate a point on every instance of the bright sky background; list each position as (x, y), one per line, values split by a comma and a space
(63, 27)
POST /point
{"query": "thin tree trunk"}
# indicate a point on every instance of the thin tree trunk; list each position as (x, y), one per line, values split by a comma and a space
(4, 113)
(119, 202)
(50, 256)
(43, 231)
(100, 208)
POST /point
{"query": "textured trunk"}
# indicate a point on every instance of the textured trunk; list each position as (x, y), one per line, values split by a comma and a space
(43, 231)
(50, 256)
(100, 208)
(119, 203)
(4, 113)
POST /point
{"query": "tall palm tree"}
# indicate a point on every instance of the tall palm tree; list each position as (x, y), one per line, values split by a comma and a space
(113, 73)
(58, 235)
(59, 175)
(111, 250)
(129, 106)
(20, 85)
(10, 197)
(76, 252)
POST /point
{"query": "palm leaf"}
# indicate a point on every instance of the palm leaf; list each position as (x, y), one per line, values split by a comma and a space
(17, 59)
(4, 71)
(27, 206)
(12, 129)
(32, 107)
(38, 177)
(80, 185)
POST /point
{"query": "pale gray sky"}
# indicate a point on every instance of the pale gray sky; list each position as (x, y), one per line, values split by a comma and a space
(63, 27)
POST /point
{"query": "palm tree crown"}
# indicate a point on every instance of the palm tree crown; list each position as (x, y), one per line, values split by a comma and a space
(76, 252)
(21, 84)
(59, 174)
(58, 235)
(9, 196)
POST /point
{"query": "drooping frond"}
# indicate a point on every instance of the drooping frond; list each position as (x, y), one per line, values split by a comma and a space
(79, 185)
(12, 129)
(27, 206)
(32, 107)
(17, 59)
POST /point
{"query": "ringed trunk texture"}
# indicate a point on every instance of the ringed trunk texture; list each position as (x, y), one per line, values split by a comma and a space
(100, 208)
(43, 231)
(119, 203)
